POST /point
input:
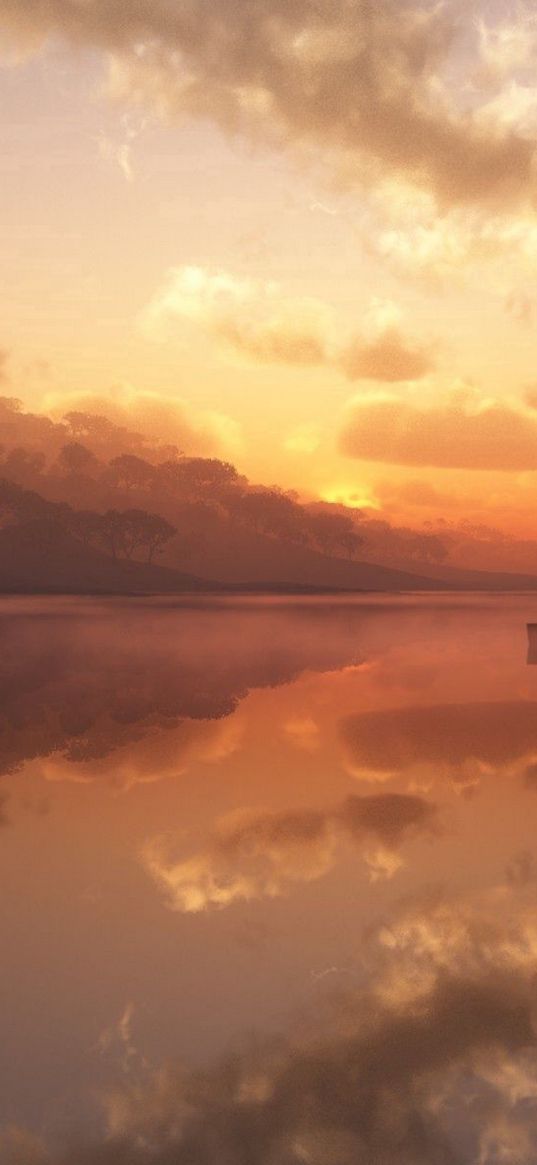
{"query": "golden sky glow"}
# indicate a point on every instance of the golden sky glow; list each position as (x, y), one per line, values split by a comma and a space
(302, 236)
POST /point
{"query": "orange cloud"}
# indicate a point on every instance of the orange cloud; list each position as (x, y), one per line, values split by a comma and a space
(257, 320)
(250, 316)
(458, 740)
(461, 433)
(256, 854)
(420, 494)
(389, 357)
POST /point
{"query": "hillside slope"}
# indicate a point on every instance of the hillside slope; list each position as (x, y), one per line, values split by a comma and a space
(67, 567)
(239, 555)
(64, 566)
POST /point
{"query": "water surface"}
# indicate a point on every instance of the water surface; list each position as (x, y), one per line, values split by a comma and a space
(269, 880)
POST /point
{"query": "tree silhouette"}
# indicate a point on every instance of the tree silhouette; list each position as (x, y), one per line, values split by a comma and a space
(82, 424)
(86, 525)
(333, 532)
(146, 530)
(195, 477)
(124, 532)
(75, 459)
(130, 472)
(23, 463)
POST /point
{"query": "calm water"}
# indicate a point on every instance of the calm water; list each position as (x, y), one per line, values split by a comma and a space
(269, 877)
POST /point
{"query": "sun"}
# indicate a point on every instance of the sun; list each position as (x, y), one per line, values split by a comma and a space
(354, 497)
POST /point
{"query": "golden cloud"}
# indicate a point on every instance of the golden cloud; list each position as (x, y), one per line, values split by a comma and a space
(464, 432)
(387, 358)
(461, 244)
(370, 85)
(257, 320)
(255, 854)
(462, 741)
(250, 316)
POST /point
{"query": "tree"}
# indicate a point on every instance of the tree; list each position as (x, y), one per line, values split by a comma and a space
(272, 512)
(249, 509)
(147, 530)
(47, 535)
(126, 531)
(24, 504)
(75, 459)
(351, 543)
(20, 462)
(86, 525)
(130, 472)
(193, 477)
(82, 424)
(333, 532)
(111, 532)
(427, 548)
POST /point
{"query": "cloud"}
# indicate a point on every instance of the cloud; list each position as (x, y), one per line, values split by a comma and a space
(144, 753)
(256, 854)
(430, 1060)
(507, 47)
(456, 739)
(120, 151)
(160, 418)
(250, 316)
(117, 1044)
(372, 86)
(464, 432)
(388, 358)
(303, 732)
(461, 245)
(257, 320)
(418, 493)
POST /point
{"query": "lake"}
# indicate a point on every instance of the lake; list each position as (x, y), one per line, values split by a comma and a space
(269, 877)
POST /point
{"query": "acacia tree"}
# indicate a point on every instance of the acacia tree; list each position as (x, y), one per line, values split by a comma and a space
(158, 533)
(124, 532)
(111, 532)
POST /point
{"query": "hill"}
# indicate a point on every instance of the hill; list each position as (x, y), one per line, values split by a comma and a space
(61, 565)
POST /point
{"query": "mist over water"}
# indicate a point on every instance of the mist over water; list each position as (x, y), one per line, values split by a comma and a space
(269, 873)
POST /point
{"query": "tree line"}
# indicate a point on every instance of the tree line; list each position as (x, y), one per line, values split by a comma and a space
(76, 460)
(123, 534)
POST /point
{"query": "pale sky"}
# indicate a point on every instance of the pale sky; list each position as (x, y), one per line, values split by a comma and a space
(306, 229)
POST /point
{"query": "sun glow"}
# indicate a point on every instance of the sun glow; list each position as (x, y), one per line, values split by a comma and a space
(354, 497)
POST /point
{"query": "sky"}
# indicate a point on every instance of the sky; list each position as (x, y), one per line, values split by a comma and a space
(297, 234)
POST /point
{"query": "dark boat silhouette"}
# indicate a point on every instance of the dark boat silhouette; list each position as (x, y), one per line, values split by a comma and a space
(532, 642)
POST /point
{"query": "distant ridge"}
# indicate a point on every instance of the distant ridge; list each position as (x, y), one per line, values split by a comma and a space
(27, 568)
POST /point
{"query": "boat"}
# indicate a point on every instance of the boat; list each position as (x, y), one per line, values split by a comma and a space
(532, 642)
